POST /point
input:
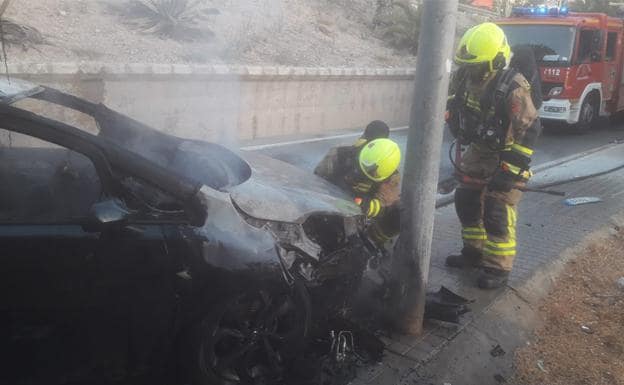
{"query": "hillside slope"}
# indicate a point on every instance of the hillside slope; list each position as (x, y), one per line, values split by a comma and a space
(254, 32)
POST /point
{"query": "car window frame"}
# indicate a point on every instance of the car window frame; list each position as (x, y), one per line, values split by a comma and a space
(18, 121)
(25, 122)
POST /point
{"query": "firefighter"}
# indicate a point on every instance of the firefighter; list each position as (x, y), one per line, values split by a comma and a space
(368, 170)
(376, 129)
(340, 160)
(490, 109)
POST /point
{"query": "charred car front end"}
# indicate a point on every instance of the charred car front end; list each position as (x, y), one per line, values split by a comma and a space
(151, 258)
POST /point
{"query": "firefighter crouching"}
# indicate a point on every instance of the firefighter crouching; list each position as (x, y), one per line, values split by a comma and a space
(368, 170)
(490, 109)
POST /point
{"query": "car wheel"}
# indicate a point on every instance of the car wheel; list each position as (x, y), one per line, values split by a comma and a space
(250, 339)
(588, 116)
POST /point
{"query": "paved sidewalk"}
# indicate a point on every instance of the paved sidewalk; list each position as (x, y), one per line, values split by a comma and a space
(546, 227)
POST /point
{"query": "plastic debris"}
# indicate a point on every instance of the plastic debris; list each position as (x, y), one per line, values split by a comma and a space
(540, 365)
(444, 305)
(586, 329)
(581, 201)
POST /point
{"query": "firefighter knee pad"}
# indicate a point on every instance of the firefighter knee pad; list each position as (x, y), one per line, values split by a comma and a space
(468, 206)
(496, 217)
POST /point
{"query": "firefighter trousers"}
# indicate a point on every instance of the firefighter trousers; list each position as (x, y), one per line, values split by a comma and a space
(488, 218)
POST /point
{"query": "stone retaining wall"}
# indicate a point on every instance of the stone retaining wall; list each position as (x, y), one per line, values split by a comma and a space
(227, 103)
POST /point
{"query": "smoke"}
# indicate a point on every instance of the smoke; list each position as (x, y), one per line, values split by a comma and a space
(218, 101)
(216, 88)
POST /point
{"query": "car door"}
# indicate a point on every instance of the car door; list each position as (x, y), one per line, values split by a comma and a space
(137, 291)
(46, 258)
(81, 301)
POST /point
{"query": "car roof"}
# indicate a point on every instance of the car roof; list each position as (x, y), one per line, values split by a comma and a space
(13, 89)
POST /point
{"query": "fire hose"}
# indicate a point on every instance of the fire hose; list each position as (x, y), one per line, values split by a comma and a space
(482, 182)
(463, 178)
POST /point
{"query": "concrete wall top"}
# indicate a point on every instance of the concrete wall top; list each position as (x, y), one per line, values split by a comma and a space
(115, 70)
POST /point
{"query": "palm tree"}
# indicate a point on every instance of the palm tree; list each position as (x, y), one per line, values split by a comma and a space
(177, 19)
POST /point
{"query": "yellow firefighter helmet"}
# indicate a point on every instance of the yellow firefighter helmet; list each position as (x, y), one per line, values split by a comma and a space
(379, 159)
(484, 44)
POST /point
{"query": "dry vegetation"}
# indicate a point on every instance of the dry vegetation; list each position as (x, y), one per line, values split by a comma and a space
(341, 33)
(585, 296)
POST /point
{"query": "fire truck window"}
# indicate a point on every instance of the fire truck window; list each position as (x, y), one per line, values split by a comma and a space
(585, 46)
(611, 45)
(552, 44)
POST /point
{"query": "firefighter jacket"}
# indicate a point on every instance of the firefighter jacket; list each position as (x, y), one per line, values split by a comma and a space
(496, 115)
(340, 167)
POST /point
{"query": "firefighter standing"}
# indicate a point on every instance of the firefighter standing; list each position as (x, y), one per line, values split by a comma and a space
(491, 110)
(369, 171)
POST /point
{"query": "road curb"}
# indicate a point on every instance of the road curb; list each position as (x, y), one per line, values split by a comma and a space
(508, 322)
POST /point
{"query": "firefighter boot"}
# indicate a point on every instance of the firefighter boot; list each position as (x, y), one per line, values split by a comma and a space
(492, 278)
(469, 257)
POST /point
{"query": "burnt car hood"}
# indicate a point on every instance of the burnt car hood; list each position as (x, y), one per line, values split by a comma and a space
(260, 186)
(278, 191)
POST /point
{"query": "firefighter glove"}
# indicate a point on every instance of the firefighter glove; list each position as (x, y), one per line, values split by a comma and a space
(517, 163)
(521, 160)
(502, 181)
(371, 207)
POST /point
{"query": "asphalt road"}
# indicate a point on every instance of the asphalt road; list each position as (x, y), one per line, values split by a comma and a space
(554, 143)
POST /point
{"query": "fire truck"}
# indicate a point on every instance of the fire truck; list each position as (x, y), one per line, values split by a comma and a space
(580, 60)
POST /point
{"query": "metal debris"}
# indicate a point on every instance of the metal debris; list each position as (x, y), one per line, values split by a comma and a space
(338, 367)
(332, 357)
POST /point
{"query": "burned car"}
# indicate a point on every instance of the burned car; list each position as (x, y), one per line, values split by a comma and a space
(133, 256)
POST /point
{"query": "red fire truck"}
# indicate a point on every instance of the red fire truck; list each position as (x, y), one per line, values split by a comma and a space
(580, 59)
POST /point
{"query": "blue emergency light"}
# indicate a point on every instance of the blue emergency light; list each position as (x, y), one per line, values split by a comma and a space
(539, 11)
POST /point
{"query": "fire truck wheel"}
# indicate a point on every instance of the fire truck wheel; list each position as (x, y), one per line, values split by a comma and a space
(587, 116)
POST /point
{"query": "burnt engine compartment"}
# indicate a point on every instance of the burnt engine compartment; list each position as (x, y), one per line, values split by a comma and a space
(326, 252)
(335, 345)
(327, 231)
